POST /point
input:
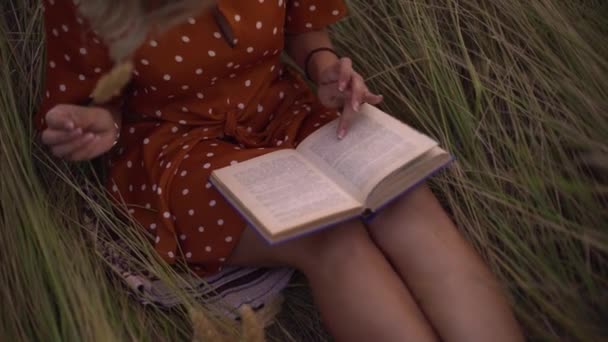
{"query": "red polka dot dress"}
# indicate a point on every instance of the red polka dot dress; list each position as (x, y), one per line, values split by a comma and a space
(192, 89)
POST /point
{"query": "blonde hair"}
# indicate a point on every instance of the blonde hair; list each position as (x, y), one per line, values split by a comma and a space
(123, 25)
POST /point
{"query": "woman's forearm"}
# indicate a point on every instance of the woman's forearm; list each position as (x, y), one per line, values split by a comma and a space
(299, 46)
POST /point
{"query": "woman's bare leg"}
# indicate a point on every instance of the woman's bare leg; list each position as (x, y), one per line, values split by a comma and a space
(454, 288)
(360, 296)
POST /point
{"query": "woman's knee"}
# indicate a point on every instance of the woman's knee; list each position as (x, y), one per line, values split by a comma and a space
(326, 248)
(419, 207)
(334, 246)
(419, 201)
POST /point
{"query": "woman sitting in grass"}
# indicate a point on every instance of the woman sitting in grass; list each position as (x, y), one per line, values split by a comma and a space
(209, 89)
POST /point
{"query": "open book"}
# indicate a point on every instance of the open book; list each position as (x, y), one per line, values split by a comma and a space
(288, 193)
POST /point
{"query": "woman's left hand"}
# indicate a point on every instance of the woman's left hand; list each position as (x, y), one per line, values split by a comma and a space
(342, 87)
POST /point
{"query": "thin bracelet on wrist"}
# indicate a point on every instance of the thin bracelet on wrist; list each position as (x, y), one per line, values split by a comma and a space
(117, 134)
(88, 103)
(309, 58)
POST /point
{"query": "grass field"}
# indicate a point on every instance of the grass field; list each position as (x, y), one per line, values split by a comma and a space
(515, 89)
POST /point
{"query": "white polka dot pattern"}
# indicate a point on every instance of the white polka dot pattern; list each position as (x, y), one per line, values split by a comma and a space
(307, 15)
(191, 87)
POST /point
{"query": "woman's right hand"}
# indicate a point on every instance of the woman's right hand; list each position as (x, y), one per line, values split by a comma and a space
(79, 133)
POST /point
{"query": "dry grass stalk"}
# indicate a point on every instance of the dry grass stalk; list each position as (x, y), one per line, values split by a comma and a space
(204, 329)
(252, 327)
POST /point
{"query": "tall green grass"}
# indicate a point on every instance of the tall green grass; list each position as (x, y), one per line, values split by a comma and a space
(515, 89)
(54, 285)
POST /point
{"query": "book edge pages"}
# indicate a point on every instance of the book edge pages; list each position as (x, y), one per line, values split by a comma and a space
(434, 165)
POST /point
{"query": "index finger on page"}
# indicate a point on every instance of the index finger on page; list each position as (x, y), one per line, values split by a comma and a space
(345, 120)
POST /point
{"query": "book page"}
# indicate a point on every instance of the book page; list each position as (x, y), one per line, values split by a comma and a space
(283, 190)
(375, 146)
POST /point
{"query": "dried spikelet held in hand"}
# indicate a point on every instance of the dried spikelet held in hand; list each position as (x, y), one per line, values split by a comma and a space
(253, 330)
(112, 83)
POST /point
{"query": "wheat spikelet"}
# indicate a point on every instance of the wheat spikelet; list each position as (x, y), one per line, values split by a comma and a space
(204, 330)
(112, 83)
(253, 330)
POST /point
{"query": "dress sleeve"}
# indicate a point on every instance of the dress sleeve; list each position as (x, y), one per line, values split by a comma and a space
(309, 15)
(75, 58)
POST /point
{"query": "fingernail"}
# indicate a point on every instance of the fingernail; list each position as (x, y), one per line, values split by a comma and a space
(356, 107)
(69, 125)
(342, 134)
(341, 86)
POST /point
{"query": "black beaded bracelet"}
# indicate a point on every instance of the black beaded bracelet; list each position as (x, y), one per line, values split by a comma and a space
(309, 57)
